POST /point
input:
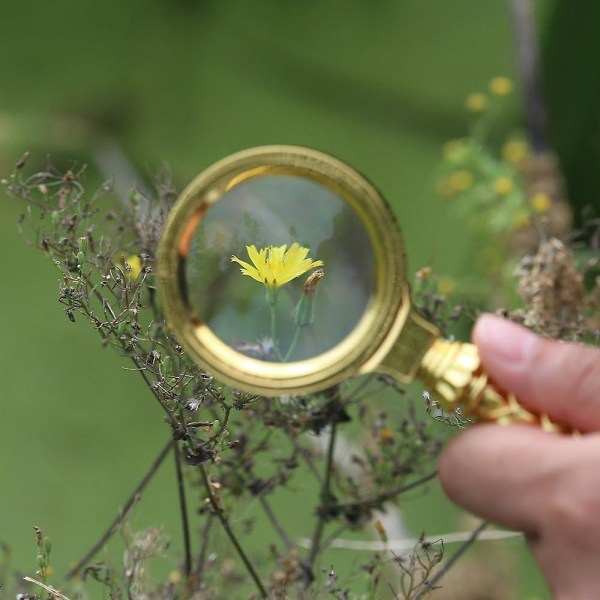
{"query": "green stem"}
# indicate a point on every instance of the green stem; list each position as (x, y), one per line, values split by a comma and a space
(273, 308)
(225, 523)
(293, 345)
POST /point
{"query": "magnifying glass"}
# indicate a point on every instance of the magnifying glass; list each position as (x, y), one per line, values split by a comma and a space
(282, 272)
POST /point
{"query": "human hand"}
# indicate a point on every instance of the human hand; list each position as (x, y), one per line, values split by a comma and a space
(544, 484)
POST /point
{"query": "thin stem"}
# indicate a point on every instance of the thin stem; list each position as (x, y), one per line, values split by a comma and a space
(204, 547)
(273, 309)
(133, 498)
(184, 512)
(375, 502)
(325, 497)
(275, 522)
(293, 345)
(449, 564)
(378, 500)
(364, 383)
(225, 523)
(172, 420)
(334, 535)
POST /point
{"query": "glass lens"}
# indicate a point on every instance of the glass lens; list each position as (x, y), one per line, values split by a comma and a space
(280, 268)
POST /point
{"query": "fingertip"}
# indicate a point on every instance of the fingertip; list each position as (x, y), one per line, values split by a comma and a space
(502, 342)
(559, 379)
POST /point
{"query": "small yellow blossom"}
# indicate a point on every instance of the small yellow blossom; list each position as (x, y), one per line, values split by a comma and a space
(460, 181)
(380, 529)
(541, 203)
(521, 219)
(454, 150)
(175, 577)
(501, 86)
(277, 265)
(386, 435)
(503, 186)
(135, 264)
(476, 102)
(515, 151)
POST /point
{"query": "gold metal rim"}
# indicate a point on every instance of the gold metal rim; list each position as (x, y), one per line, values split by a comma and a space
(388, 302)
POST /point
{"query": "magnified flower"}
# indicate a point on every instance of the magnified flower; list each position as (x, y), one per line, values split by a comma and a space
(277, 265)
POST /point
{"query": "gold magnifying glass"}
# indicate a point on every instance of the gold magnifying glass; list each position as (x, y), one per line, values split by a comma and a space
(282, 272)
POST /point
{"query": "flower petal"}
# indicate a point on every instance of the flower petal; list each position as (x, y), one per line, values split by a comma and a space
(247, 269)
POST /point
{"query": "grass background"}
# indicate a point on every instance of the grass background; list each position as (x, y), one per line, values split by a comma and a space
(379, 84)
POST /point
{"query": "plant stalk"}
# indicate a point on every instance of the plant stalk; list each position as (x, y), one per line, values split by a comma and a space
(225, 523)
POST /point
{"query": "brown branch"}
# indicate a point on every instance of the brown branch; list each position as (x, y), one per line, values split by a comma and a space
(184, 512)
(325, 497)
(133, 498)
(225, 523)
(376, 501)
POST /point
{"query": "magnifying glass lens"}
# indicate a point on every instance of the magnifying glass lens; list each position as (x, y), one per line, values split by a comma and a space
(280, 268)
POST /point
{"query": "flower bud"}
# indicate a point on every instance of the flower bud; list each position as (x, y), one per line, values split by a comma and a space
(305, 309)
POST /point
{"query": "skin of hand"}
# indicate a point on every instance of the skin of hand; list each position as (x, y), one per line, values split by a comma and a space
(544, 484)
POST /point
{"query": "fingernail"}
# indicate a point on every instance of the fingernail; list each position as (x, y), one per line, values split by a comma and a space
(503, 339)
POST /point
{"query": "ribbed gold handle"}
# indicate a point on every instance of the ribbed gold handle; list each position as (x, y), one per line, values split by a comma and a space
(452, 371)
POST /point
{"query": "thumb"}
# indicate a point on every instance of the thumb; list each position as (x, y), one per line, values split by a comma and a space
(549, 377)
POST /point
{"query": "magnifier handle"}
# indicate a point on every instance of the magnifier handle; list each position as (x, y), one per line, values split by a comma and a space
(452, 371)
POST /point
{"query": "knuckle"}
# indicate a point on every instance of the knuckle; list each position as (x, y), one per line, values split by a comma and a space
(571, 507)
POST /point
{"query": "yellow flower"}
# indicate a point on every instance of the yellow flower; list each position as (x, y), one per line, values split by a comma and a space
(521, 219)
(541, 203)
(386, 435)
(461, 180)
(454, 150)
(135, 265)
(501, 86)
(380, 529)
(503, 186)
(277, 265)
(515, 151)
(175, 577)
(476, 102)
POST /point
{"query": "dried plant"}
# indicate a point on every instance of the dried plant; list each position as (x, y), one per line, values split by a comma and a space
(229, 446)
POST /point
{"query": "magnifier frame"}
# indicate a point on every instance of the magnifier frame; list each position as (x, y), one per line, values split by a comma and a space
(387, 309)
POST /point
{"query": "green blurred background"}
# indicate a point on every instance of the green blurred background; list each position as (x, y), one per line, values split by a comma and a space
(380, 84)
